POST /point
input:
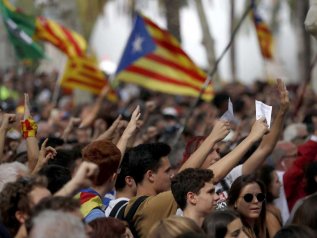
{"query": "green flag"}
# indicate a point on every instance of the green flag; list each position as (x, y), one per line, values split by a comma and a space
(20, 28)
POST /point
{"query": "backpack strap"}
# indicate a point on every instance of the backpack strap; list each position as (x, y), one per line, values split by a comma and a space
(118, 208)
(131, 214)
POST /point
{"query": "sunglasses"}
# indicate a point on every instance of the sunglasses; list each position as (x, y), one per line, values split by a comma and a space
(249, 197)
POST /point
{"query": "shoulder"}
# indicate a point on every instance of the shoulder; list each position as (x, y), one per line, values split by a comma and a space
(94, 214)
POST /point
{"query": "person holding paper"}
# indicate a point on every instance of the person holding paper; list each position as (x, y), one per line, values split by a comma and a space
(229, 170)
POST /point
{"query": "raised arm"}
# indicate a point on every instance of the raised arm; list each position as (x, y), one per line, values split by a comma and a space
(73, 121)
(88, 121)
(82, 179)
(220, 130)
(46, 153)
(129, 131)
(7, 120)
(269, 141)
(29, 129)
(222, 167)
(109, 133)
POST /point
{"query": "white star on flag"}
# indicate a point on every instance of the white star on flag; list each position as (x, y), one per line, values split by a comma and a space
(137, 44)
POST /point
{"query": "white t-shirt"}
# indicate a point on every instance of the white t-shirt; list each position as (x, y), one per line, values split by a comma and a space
(112, 203)
(281, 201)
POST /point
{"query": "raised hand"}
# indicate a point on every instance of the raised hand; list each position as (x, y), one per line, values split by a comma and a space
(132, 125)
(150, 106)
(109, 134)
(83, 178)
(74, 121)
(85, 175)
(283, 93)
(258, 129)
(220, 130)
(27, 112)
(46, 153)
(7, 120)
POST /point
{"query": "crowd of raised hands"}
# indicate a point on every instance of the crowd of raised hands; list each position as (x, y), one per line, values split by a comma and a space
(38, 135)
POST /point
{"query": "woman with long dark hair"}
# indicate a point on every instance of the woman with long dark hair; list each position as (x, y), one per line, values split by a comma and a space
(247, 197)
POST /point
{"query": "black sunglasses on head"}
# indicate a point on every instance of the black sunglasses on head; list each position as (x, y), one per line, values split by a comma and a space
(249, 197)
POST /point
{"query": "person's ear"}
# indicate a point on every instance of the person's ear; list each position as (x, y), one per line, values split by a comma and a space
(113, 177)
(191, 198)
(20, 216)
(129, 180)
(150, 175)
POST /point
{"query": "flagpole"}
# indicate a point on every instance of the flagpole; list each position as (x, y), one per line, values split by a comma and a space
(211, 73)
(57, 88)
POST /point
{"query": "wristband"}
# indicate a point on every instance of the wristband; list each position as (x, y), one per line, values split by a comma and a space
(29, 128)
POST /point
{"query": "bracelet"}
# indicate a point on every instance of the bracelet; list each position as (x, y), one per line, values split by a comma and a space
(29, 128)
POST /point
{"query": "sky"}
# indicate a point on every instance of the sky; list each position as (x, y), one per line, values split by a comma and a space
(113, 28)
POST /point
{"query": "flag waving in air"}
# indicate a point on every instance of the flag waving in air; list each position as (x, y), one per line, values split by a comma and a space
(70, 42)
(25, 31)
(20, 28)
(154, 59)
(263, 32)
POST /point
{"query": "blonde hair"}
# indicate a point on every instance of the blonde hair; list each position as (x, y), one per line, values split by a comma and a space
(173, 226)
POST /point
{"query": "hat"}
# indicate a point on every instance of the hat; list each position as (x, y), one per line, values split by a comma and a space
(170, 111)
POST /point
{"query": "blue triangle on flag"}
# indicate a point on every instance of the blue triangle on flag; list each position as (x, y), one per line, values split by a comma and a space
(140, 43)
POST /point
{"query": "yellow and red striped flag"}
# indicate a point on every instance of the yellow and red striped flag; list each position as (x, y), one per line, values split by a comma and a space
(154, 59)
(263, 32)
(70, 42)
(83, 73)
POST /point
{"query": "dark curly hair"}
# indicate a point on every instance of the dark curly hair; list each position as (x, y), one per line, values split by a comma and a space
(15, 197)
(189, 180)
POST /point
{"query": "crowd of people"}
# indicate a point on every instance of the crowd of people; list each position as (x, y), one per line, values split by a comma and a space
(121, 168)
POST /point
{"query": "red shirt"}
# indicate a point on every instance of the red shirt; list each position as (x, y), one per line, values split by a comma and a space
(294, 177)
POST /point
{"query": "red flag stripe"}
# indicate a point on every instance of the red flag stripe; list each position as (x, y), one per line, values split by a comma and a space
(90, 68)
(98, 80)
(159, 77)
(161, 60)
(83, 83)
(45, 24)
(167, 45)
(72, 40)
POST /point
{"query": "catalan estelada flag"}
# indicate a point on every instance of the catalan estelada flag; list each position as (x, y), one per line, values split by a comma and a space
(263, 32)
(154, 59)
(69, 42)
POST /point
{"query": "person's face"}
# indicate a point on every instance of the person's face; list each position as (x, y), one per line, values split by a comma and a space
(251, 209)
(162, 177)
(275, 185)
(206, 199)
(83, 135)
(212, 157)
(288, 160)
(235, 229)
(37, 194)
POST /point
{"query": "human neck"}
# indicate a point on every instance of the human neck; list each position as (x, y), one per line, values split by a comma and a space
(195, 216)
(125, 193)
(102, 190)
(21, 232)
(145, 189)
